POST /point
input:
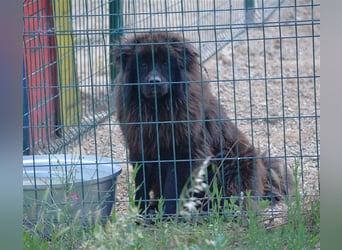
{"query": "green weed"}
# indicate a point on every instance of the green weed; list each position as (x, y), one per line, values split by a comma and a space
(297, 227)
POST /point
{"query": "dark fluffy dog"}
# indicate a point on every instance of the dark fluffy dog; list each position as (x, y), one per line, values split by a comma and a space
(172, 122)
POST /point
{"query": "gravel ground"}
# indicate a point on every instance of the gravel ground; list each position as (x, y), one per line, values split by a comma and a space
(267, 84)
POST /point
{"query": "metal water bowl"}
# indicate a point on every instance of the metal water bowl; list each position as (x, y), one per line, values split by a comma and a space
(72, 186)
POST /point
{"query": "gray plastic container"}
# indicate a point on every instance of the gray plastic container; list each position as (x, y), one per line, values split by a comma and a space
(82, 187)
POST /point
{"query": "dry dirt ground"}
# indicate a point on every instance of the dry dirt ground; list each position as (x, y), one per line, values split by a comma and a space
(268, 80)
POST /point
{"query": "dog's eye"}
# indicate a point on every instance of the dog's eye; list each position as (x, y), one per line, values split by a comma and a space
(143, 65)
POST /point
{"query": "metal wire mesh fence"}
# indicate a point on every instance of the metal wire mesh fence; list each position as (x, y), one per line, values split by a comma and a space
(197, 19)
(260, 58)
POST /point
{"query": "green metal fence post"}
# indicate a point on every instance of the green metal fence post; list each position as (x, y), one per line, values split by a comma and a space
(250, 11)
(115, 30)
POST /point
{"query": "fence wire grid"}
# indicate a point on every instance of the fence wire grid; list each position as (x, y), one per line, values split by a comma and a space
(261, 59)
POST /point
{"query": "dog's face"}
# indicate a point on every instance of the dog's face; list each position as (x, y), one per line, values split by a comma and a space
(153, 69)
(155, 64)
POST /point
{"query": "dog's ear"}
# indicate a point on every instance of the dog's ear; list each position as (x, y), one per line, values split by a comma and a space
(186, 53)
(191, 55)
(122, 50)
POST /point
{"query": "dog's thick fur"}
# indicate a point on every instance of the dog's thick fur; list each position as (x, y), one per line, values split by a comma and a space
(171, 122)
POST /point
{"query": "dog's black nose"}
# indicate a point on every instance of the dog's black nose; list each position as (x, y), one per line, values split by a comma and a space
(154, 79)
